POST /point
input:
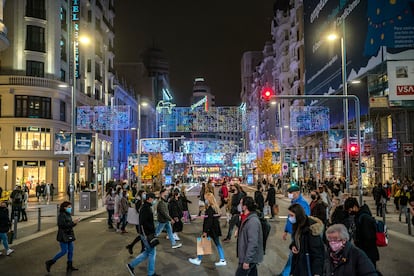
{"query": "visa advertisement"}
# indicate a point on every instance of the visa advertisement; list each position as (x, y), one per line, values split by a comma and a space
(368, 25)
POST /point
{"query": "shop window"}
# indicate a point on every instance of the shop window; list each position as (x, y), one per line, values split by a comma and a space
(32, 138)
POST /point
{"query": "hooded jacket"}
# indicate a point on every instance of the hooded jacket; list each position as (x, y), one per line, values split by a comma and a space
(310, 242)
(365, 233)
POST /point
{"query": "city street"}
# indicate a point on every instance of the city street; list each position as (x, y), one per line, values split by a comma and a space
(99, 251)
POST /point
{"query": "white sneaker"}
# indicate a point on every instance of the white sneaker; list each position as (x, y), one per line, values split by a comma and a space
(177, 245)
(9, 251)
(221, 263)
(1, 253)
(195, 261)
(176, 237)
(167, 237)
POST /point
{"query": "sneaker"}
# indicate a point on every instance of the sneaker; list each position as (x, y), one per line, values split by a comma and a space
(130, 270)
(176, 237)
(167, 237)
(195, 261)
(9, 251)
(177, 245)
(221, 263)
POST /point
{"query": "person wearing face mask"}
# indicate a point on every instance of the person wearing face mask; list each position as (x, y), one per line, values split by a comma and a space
(296, 198)
(404, 197)
(211, 228)
(345, 258)
(308, 250)
(139, 201)
(365, 228)
(235, 212)
(318, 207)
(110, 206)
(164, 219)
(249, 239)
(65, 236)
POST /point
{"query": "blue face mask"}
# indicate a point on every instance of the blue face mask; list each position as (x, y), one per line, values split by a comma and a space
(69, 210)
(292, 220)
(144, 196)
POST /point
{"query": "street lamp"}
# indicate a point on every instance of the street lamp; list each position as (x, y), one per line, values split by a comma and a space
(5, 168)
(143, 104)
(76, 41)
(332, 37)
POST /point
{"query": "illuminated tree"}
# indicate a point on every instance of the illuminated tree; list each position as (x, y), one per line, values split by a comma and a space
(265, 164)
(154, 168)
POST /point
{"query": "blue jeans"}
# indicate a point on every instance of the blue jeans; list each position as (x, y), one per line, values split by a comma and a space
(167, 226)
(110, 214)
(65, 247)
(219, 249)
(288, 266)
(4, 238)
(150, 253)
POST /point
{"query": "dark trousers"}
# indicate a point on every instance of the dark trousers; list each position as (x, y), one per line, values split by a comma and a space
(233, 222)
(272, 211)
(252, 271)
(16, 211)
(110, 215)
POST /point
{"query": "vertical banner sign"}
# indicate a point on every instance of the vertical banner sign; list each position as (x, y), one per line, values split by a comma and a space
(75, 34)
(83, 143)
(62, 143)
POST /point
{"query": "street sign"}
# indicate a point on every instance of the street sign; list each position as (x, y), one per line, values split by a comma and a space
(287, 156)
(143, 159)
(408, 149)
(285, 168)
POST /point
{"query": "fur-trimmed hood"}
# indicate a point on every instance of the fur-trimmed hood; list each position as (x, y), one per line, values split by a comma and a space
(316, 226)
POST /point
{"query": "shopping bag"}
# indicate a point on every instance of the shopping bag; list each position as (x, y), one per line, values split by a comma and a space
(266, 210)
(116, 218)
(276, 209)
(10, 236)
(204, 246)
(132, 216)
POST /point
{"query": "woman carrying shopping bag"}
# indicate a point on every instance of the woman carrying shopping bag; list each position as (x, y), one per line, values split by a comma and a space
(211, 228)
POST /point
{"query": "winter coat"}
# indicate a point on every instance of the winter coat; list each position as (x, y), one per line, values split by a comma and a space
(259, 199)
(5, 222)
(318, 209)
(123, 206)
(175, 209)
(162, 211)
(310, 242)
(65, 228)
(353, 261)
(110, 202)
(365, 232)
(271, 196)
(211, 224)
(235, 200)
(184, 202)
(146, 219)
(250, 240)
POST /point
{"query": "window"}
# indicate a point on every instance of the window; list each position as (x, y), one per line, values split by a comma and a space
(32, 107)
(35, 38)
(62, 75)
(36, 8)
(62, 111)
(63, 16)
(35, 68)
(32, 138)
(63, 54)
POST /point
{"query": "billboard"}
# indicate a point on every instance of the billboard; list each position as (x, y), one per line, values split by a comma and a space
(401, 80)
(368, 26)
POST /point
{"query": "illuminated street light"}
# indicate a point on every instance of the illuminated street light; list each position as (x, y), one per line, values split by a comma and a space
(5, 168)
(333, 37)
(140, 104)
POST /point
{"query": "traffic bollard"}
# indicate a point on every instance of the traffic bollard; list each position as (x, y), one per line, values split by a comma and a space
(39, 213)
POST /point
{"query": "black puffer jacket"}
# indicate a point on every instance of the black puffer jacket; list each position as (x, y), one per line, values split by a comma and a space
(211, 224)
(310, 242)
(4, 220)
(353, 261)
(65, 224)
(365, 234)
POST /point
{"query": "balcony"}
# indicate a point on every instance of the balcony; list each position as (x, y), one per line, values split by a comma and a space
(30, 81)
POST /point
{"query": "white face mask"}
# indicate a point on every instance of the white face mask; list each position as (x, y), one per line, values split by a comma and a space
(239, 208)
(290, 196)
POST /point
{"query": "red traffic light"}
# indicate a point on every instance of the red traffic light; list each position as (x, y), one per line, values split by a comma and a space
(353, 149)
(267, 93)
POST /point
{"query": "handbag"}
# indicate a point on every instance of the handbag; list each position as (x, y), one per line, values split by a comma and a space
(152, 240)
(204, 246)
(116, 218)
(276, 209)
(133, 216)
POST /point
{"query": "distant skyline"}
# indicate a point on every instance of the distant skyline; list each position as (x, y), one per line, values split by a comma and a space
(199, 39)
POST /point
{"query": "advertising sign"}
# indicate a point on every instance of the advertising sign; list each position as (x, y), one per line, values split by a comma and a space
(83, 143)
(408, 149)
(401, 80)
(309, 118)
(62, 143)
(336, 140)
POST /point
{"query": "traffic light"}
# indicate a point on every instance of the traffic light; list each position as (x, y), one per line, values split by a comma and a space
(267, 93)
(353, 149)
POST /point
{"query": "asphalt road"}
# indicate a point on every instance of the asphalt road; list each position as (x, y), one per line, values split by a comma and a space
(99, 251)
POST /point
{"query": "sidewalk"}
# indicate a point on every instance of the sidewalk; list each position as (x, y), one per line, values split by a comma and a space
(31, 229)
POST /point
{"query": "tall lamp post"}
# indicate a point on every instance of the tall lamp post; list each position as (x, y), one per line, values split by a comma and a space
(143, 104)
(5, 168)
(332, 37)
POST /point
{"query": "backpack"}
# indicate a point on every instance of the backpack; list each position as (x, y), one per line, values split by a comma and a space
(18, 197)
(265, 230)
(381, 233)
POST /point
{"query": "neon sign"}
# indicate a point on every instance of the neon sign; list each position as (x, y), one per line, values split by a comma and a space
(75, 33)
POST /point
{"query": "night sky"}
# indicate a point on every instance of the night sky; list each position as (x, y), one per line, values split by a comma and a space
(199, 38)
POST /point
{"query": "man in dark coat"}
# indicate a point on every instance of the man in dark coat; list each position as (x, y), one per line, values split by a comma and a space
(365, 232)
(271, 199)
